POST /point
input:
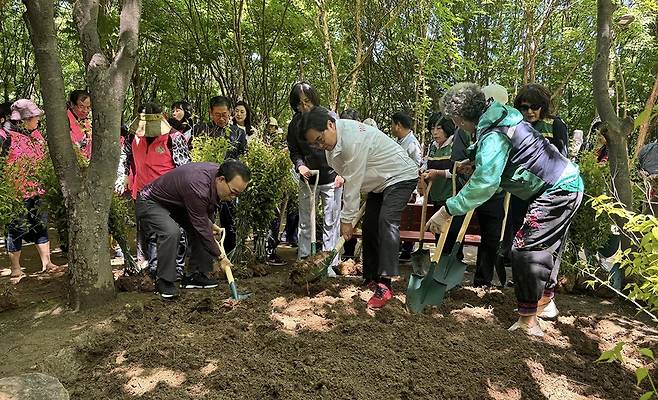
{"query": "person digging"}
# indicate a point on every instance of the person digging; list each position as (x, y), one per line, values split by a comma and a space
(188, 197)
(510, 154)
(373, 163)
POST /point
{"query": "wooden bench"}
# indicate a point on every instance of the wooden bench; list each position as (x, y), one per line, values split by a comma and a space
(410, 226)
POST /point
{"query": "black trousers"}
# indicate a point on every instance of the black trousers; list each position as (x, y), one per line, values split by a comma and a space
(538, 244)
(157, 222)
(381, 230)
(490, 216)
(227, 221)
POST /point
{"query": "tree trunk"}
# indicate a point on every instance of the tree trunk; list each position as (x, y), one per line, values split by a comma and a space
(87, 191)
(618, 129)
(644, 127)
(326, 44)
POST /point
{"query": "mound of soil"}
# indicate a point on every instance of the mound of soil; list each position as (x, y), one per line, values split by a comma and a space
(307, 271)
(350, 268)
(137, 283)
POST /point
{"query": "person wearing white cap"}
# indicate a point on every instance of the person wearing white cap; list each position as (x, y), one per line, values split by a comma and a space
(496, 92)
(26, 149)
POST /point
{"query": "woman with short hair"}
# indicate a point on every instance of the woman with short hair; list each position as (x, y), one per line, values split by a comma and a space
(510, 154)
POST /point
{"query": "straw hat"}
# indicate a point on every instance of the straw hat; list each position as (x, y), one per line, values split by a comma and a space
(150, 125)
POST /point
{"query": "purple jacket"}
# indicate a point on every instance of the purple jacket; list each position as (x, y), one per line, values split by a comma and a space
(190, 194)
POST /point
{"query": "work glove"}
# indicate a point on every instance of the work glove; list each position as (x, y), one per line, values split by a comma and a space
(440, 221)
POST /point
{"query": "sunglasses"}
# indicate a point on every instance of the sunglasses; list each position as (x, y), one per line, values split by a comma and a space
(526, 107)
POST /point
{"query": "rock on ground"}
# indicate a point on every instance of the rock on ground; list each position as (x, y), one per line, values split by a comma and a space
(32, 386)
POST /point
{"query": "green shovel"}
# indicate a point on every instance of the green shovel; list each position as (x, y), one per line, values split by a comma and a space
(444, 274)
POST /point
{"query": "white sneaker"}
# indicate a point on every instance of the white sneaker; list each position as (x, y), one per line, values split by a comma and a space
(530, 331)
(550, 311)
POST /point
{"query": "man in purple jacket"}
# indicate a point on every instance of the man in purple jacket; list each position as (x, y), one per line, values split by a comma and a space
(188, 197)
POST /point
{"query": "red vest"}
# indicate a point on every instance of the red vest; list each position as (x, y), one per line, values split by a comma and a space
(151, 161)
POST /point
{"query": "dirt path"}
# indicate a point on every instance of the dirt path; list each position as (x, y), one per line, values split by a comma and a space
(287, 343)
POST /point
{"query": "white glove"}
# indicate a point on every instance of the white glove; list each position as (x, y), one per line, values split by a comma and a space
(440, 221)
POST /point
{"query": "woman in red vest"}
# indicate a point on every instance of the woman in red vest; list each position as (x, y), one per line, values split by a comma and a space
(151, 150)
(26, 149)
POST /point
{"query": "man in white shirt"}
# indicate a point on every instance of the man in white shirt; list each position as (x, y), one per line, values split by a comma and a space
(401, 129)
(373, 163)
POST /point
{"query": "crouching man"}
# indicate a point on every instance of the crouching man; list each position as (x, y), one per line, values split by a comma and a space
(512, 155)
(188, 197)
(371, 163)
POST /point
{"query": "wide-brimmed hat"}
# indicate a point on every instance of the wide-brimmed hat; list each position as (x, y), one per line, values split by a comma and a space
(23, 109)
(150, 125)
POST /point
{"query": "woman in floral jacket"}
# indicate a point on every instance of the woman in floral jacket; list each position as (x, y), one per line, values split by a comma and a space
(26, 149)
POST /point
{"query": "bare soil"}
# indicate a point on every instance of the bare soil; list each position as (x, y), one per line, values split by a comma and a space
(318, 341)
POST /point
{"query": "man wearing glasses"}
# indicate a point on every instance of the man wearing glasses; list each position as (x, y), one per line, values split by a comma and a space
(220, 126)
(371, 163)
(188, 197)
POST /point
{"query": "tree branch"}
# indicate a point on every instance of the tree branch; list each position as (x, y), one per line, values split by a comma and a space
(40, 15)
(126, 56)
(602, 62)
(85, 14)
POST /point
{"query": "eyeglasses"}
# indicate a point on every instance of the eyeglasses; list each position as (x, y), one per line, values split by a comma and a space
(526, 107)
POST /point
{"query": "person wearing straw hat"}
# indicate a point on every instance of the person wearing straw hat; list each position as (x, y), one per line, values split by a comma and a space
(510, 154)
(25, 150)
(153, 149)
(371, 162)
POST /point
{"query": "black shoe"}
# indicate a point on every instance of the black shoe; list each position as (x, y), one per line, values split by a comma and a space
(198, 281)
(274, 260)
(405, 256)
(166, 290)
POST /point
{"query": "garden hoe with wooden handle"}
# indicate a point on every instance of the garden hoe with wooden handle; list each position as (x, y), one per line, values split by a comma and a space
(226, 265)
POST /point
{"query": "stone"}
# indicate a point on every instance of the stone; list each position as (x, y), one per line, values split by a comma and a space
(32, 386)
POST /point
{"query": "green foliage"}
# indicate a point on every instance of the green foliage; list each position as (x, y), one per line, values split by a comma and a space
(587, 232)
(640, 260)
(11, 203)
(641, 373)
(209, 149)
(257, 205)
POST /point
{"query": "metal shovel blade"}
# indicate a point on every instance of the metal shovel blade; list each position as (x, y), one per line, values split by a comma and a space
(450, 271)
(234, 292)
(423, 290)
(420, 262)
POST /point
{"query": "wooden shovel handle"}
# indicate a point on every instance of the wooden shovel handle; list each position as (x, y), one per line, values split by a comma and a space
(423, 214)
(506, 206)
(357, 218)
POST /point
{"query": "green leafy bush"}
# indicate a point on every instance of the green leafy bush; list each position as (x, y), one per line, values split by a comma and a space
(640, 260)
(11, 203)
(587, 231)
(209, 149)
(270, 168)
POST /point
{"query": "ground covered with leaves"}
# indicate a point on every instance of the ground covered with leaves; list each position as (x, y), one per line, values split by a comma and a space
(317, 341)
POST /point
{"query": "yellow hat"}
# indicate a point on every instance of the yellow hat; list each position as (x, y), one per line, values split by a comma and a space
(273, 122)
(150, 125)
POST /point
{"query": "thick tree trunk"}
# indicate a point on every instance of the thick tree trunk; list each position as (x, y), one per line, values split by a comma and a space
(618, 129)
(644, 127)
(87, 191)
(92, 282)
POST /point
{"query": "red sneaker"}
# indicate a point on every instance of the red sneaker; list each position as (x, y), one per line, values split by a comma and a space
(382, 295)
